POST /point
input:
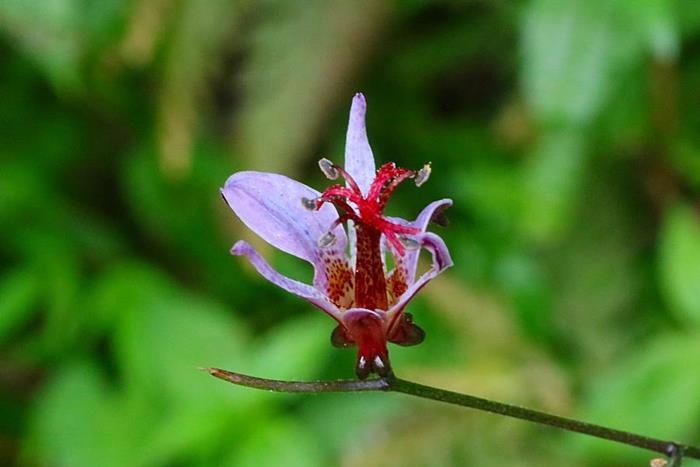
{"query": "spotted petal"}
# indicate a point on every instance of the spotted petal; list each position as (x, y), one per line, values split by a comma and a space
(359, 161)
(270, 205)
(307, 292)
(441, 261)
(404, 272)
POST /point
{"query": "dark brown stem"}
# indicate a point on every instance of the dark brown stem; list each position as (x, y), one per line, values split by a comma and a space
(669, 448)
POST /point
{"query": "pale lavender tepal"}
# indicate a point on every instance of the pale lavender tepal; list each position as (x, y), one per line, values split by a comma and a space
(352, 282)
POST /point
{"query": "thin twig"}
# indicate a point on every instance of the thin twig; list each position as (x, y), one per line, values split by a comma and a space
(299, 386)
(668, 448)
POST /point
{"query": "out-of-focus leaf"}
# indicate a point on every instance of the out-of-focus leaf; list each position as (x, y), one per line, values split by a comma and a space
(356, 413)
(277, 442)
(679, 262)
(525, 281)
(50, 33)
(626, 119)
(552, 181)
(199, 34)
(296, 349)
(146, 23)
(654, 392)
(574, 51)
(491, 192)
(125, 286)
(21, 189)
(301, 60)
(685, 157)
(63, 282)
(568, 48)
(58, 35)
(76, 423)
(163, 340)
(688, 16)
(19, 292)
(575, 54)
(657, 21)
(293, 350)
(595, 277)
(182, 433)
(178, 218)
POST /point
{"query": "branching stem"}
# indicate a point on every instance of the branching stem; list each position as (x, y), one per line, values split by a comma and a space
(669, 448)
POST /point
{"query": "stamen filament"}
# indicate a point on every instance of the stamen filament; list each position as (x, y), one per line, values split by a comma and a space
(393, 239)
(392, 185)
(397, 228)
(347, 209)
(384, 174)
(342, 192)
(348, 178)
(339, 220)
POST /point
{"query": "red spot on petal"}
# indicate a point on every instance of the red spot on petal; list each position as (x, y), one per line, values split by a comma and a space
(396, 283)
(340, 281)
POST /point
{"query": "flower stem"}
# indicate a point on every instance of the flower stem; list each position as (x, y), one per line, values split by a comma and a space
(668, 448)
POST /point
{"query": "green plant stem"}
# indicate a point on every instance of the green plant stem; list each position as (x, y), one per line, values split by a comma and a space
(668, 448)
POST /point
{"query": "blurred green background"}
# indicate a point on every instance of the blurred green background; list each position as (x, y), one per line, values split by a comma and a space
(566, 131)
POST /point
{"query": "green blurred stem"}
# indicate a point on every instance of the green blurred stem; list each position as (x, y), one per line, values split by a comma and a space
(669, 448)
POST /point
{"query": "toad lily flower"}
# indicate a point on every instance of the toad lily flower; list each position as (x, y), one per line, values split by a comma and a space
(352, 280)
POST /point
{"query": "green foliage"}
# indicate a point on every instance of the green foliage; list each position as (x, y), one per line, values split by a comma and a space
(679, 263)
(651, 392)
(565, 131)
(19, 291)
(575, 51)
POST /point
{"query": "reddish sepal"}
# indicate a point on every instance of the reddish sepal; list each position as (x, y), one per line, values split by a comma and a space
(340, 338)
(406, 332)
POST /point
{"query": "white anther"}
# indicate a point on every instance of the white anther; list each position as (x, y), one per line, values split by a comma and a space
(329, 169)
(378, 362)
(423, 175)
(309, 203)
(326, 240)
(362, 363)
(409, 243)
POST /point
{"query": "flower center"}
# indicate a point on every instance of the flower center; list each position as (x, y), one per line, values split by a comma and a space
(370, 224)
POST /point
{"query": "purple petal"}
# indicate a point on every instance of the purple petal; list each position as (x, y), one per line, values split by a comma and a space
(335, 277)
(441, 261)
(305, 291)
(359, 161)
(354, 314)
(270, 205)
(421, 222)
(410, 258)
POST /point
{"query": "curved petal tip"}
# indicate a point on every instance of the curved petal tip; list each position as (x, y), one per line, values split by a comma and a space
(359, 103)
(240, 248)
